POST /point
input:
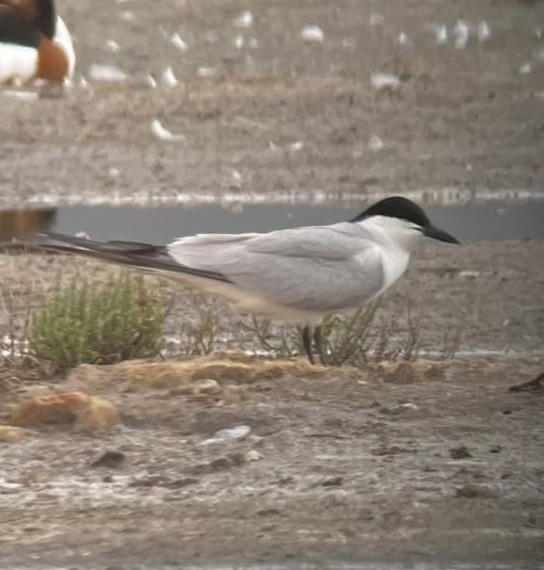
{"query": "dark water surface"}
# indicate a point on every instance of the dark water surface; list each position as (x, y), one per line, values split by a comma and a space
(489, 221)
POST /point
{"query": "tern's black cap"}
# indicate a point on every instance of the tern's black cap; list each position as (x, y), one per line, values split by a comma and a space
(404, 209)
(396, 207)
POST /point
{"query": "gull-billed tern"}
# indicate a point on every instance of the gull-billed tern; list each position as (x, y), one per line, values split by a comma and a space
(297, 275)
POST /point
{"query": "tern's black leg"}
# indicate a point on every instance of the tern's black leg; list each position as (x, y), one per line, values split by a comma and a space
(307, 343)
(318, 340)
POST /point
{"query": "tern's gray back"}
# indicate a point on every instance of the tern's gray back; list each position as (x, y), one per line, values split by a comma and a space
(327, 268)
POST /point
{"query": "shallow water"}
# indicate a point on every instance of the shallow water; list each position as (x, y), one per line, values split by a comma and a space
(491, 221)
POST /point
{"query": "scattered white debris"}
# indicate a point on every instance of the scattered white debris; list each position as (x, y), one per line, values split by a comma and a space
(226, 435)
(177, 40)
(127, 16)
(236, 175)
(385, 81)
(204, 71)
(150, 81)
(244, 19)
(312, 34)
(168, 78)
(402, 39)
(440, 34)
(376, 19)
(525, 68)
(461, 32)
(296, 146)
(164, 134)
(113, 46)
(467, 274)
(83, 83)
(375, 143)
(272, 146)
(253, 43)
(106, 73)
(483, 31)
(20, 95)
(403, 407)
(239, 42)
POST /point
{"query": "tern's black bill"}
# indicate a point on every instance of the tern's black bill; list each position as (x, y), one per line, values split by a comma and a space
(440, 235)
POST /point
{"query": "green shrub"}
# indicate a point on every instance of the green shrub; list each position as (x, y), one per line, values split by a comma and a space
(344, 337)
(98, 324)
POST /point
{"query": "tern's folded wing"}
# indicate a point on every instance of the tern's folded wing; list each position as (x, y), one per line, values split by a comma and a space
(323, 268)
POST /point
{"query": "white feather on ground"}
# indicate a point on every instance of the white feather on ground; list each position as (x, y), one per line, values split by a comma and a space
(164, 134)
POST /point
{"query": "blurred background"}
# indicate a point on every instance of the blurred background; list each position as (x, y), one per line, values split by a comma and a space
(312, 104)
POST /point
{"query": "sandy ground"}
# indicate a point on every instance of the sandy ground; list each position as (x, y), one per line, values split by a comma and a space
(348, 471)
(354, 467)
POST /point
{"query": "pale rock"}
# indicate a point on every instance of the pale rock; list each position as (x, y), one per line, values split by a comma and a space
(230, 434)
(206, 387)
(252, 455)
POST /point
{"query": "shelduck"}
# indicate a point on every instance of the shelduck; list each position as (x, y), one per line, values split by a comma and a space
(34, 43)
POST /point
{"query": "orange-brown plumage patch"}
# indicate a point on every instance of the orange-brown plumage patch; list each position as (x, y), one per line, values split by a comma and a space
(52, 62)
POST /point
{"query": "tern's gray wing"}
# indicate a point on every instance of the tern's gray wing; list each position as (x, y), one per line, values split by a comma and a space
(315, 268)
(133, 254)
